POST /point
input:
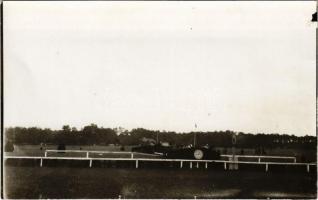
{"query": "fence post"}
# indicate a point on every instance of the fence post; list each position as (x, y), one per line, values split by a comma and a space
(206, 165)
(132, 155)
(197, 164)
(87, 154)
(308, 168)
(295, 160)
(266, 169)
(90, 163)
(224, 165)
(41, 162)
(45, 154)
(181, 164)
(190, 165)
(259, 159)
(136, 164)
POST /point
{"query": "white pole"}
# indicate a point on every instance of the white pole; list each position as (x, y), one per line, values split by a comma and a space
(195, 136)
(190, 165)
(266, 169)
(181, 164)
(206, 165)
(90, 163)
(308, 168)
(136, 164)
(197, 164)
(41, 162)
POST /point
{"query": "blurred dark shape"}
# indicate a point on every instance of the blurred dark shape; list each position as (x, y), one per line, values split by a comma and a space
(151, 149)
(122, 148)
(224, 151)
(260, 151)
(242, 151)
(263, 152)
(179, 153)
(9, 147)
(314, 17)
(61, 147)
(257, 151)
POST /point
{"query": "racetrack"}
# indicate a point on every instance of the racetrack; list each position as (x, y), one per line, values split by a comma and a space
(109, 179)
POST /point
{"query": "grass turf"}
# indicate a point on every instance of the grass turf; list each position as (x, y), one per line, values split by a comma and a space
(81, 182)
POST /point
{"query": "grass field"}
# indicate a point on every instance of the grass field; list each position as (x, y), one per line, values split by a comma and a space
(82, 182)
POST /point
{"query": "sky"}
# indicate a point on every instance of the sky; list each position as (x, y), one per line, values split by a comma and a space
(241, 66)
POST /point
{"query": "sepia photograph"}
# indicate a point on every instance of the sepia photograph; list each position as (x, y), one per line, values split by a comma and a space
(159, 100)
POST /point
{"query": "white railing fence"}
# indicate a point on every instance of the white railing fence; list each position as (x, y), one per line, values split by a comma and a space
(259, 158)
(181, 161)
(87, 153)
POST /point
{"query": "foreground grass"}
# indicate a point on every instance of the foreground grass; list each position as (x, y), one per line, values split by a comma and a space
(69, 182)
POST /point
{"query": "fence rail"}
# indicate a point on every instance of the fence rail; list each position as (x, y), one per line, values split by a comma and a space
(261, 157)
(181, 161)
(87, 152)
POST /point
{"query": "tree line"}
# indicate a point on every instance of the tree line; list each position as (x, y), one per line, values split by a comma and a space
(92, 134)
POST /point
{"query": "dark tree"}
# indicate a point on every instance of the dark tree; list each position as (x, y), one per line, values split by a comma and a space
(8, 147)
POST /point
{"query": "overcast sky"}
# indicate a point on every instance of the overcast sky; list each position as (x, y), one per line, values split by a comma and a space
(242, 66)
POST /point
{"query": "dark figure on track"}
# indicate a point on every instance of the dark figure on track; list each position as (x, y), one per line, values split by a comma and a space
(242, 151)
(61, 147)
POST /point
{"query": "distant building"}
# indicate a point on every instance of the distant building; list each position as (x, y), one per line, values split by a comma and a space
(165, 144)
(149, 141)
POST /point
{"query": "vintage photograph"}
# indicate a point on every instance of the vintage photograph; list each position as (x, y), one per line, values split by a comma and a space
(159, 100)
